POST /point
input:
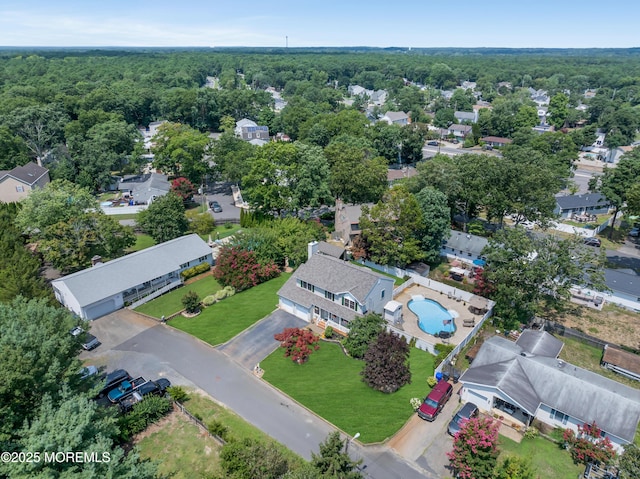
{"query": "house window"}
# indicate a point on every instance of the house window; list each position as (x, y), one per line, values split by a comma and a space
(305, 285)
(330, 296)
(20, 189)
(382, 294)
(558, 416)
(350, 304)
(184, 265)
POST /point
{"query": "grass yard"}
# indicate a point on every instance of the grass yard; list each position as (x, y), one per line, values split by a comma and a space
(221, 230)
(171, 302)
(396, 281)
(330, 385)
(142, 241)
(547, 459)
(222, 321)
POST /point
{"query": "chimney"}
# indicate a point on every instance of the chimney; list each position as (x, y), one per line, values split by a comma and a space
(97, 259)
(312, 248)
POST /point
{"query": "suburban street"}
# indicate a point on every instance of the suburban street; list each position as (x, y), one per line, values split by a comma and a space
(145, 347)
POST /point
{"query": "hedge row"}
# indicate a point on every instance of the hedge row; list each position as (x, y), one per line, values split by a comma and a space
(196, 270)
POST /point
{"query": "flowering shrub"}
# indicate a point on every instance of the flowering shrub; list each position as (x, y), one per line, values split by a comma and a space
(475, 449)
(415, 403)
(588, 445)
(240, 269)
(297, 343)
(183, 188)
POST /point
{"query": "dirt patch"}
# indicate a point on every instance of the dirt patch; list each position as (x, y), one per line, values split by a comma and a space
(169, 420)
(612, 324)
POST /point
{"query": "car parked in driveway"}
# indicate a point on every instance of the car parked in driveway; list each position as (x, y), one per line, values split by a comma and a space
(432, 143)
(112, 381)
(89, 341)
(467, 411)
(215, 206)
(635, 232)
(157, 387)
(435, 400)
(126, 387)
(593, 242)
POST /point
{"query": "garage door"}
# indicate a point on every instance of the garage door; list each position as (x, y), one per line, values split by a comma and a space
(100, 309)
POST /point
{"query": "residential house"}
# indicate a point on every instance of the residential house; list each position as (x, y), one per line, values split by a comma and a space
(505, 84)
(394, 174)
(143, 189)
(540, 97)
(524, 380)
(464, 246)
(396, 118)
(468, 85)
(446, 94)
(347, 222)
(357, 90)
(332, 250)
(250, 130)
(459, 131)
(590, 93)
(543, 128)
(466, 116)
(148, 133)
(624, 284)
(616, 154)
(107, 287)
(379, 97)
(17, 183)
(586, 204)
(496, 141)
(621, 361)
(330, 292)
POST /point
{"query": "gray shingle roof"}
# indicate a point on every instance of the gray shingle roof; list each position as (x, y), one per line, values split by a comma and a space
(540, 343)
(466, 242)
(121, 274)
(627, 283)
(531, 380)
(28, 174)
(330, 249)
(581, 201)
(291, 291)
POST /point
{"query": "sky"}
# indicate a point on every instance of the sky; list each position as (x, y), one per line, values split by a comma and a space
(312, 23)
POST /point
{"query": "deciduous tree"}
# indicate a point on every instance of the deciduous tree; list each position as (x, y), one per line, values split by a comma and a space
(387, 363)
(183, 188)
(437, 221)
(629, 462)
(475, 449)
(240, 268)
(164, 219)
(363, 330)
(589, 445)
(252, 459)
(298, 344)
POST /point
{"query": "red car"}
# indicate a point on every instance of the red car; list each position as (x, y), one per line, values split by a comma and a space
(435, 401)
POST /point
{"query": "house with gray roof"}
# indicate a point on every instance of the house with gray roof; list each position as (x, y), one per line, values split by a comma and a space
(143, 189)
(524, 380)
(466, 116)
(463, 246)
(586, 204)
(347, 222)
(145, 274)
(396, 118)
(624, 284)
(459, 131)
(330, 292)
(17, 183)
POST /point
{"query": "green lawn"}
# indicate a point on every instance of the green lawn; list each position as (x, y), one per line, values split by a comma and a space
(171, 302)
(142, 241)
(221, 230)
(330, 385)
(222, 321)
(396, 281)
(547, 459)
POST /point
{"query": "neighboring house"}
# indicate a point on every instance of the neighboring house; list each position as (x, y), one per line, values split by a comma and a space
(446, 94)
(623, 283)
(143, 189)
(464, 246)
(543, 128)
(459, 131)
(505, 84)
(379, 97)
(332, 250)
(17, 183)
(590, 93)
(525, 380)
(250, 130)
(621, 362)
(588, 203)
(148, 133)
(468, 85)
(496, 141)
(466, 116)
(107, 287)
(347, 222)
(357, 90)
(394, 175)
(614, 155)
(396, 118)
(330, 292)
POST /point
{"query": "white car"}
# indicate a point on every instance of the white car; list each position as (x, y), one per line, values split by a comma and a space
(89, 341)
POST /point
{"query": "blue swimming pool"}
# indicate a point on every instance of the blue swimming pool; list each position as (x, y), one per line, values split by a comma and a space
(432, 316)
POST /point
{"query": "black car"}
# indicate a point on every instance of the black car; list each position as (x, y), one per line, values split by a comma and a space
(215, 207)
(112, 381)
(593, 242)
(432, 143)
(468, 411)
(157, 387)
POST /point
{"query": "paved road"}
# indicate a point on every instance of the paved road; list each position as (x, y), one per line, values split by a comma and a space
(157, 350)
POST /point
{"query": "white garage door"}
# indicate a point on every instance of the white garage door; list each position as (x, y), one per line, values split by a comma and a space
(100, 309)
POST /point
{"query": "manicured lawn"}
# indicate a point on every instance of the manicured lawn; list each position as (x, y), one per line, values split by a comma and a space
(171, 302)
(222, 231)
(222, 321)
(142, 241)
(330, 385)
(547, 459)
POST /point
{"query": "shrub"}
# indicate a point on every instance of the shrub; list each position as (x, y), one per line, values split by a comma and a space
(177, 393)
(191, 302)
(228, 225)
(216, 428)
(195, 270)
(531, 433)
(209, 300)
(328, 332)
(297, 343)
(387, 363)
(443, 351)
(432, 381)
(415, 403)
(588, 445)
(146, 412)
(240, 268)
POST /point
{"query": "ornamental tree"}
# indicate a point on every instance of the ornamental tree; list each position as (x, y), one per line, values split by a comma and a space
(589, 445)
(297, 343)
(363, 330)
(241, 269)
(387, 367)
(183, 188)
(475, 449)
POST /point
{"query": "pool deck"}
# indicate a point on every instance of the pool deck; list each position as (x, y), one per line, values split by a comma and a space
(410, 324)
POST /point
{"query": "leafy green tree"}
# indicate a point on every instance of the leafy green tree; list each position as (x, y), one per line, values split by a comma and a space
(312, 185)
(558, 109)
(444, 118)
(179, 149)
(333, 462)
(514, 467)
(393, 228)
(232, 156)
(387, 363)
(191, 302)
(475, 449)
(252, 459)
(629, 462)
(527, 117)
(13, 150)
(462, 100)
(436, 215)
(363, 330)
(164, 219)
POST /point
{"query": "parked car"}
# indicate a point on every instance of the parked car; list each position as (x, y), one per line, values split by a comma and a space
(215, 207)
(467, 411)
(593, 242)
(435, 400)
(88, 371)
(112, 381)
(635, 232)
(150, 387)
(89, 341)
(125, 388)
(432, 143)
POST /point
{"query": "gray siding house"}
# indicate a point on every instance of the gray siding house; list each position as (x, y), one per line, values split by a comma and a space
(107, 287)
(525, 380)
(464, 246)
(330, 292)
(589, 204)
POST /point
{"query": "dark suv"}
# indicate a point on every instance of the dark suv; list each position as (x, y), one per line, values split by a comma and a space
(467, 411)
(435, 401)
